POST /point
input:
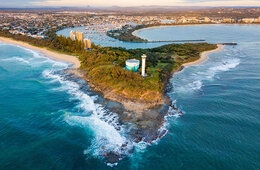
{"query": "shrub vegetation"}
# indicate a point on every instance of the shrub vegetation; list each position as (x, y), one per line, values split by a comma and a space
(104, 66)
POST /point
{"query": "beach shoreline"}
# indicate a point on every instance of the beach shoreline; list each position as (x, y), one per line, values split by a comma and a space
(160, 26)
(137, 107)
(204, 56)
(135, 32)
(46, 52)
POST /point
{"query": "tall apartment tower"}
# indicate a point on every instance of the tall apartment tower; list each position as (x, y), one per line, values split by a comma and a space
(79, 36)
(143, 65)
(87, 43)
(72, 35)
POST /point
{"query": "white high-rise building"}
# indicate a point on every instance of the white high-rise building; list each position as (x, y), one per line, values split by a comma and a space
(72, 35)
(87, 43)
(79, 36)
(143, 65)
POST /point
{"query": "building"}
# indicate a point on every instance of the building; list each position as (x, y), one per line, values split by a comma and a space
(79, 36)
(132, 65)
(207, 19)
(87, 43)
(76, 36)
(72, 35)
(257, 20)
(248, 20)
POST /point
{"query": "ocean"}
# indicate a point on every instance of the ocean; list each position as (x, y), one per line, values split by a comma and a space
(51, 119)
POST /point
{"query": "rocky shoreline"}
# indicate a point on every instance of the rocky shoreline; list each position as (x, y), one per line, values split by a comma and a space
(146, 121)
(146, 118)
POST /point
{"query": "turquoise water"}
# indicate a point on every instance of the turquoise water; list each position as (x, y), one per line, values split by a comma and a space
(52, 120)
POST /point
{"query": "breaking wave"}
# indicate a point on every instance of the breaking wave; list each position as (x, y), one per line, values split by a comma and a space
(109, 136)
(141, 147)
(193, 80)
(16, 59)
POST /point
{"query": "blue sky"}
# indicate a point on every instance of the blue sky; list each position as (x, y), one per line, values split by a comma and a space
(28, 3)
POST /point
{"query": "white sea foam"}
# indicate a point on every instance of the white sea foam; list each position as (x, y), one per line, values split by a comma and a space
(106, 137)
(189, 86)
(226, 65)
(52, 77)
(108, 134)
(43, 59)
(222, 66)
(16, 59)
(141, 147)
(194, 81)
(195, 85)
(34, 53)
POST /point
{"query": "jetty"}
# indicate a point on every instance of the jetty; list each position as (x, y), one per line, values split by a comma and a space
(228, 43)
(201, 40)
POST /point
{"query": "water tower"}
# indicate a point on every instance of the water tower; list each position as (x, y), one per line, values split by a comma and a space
(143, 65)
(132, 65)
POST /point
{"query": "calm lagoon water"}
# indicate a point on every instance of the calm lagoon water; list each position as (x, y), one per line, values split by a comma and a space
(52, 120)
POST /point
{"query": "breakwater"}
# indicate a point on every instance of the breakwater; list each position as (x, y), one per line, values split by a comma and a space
(201, 40)
(232, 43)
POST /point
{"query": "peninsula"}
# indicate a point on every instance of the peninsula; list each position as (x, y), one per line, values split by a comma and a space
(131, 105)
(142, 101)
(105, 71)
(104, 67)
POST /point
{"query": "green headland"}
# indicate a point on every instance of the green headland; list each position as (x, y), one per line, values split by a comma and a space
(104, 67)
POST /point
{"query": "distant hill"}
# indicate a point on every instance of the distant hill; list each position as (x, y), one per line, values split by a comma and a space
(236, 11)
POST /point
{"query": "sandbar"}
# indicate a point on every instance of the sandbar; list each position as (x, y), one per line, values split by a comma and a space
(47, 53)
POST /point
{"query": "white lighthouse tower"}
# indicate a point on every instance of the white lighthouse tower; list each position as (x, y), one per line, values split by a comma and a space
(143, 65)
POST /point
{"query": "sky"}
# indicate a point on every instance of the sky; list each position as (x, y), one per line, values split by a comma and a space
(82, 3)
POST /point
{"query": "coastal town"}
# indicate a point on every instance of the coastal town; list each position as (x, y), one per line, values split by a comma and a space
(39, 23)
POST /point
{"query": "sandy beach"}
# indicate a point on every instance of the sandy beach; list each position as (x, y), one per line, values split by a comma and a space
(203, 56)
(132, 106)
(74, 60)
(47, 53)
(159, 26)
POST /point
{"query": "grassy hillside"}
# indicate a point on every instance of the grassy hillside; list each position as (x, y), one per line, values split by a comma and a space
(105, 68)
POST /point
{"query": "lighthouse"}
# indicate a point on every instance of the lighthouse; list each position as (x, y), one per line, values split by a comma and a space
(143, 65)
